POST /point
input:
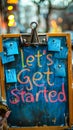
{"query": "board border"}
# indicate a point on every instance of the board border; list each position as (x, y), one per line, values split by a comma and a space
(67, 35)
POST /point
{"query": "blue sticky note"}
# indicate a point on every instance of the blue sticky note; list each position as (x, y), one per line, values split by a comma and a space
(11, 46)
(62, 54)
(5, 58)
(60, 70)
(54, 44)
(10, 76)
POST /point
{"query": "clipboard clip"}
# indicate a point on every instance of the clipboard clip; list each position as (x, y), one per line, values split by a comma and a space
(22, 41)
(34, 36)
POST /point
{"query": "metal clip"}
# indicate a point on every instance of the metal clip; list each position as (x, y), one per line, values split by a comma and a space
(34, 38)
(22, 41)
(34, 35)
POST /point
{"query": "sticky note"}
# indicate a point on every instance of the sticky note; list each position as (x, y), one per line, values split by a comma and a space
(11, 46)
(62, 54)
(60, 70)
(5, 58)
(54, 44)
(10, 76)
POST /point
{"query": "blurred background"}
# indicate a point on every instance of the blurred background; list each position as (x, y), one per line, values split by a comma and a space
(51, 15)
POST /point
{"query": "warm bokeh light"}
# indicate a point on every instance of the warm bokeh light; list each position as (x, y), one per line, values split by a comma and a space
(12, 1)
(54, 26)
(53, 23)
(11, 23)
(10, 17)
(10, 7)
(60, 20)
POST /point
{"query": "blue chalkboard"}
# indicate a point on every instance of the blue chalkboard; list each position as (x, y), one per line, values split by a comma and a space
(40, 95)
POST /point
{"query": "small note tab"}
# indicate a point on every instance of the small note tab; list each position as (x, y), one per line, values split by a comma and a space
(11, 46)
(10, 76)
(5, 58)
(54, 44)
(62, 54)
(60, 70)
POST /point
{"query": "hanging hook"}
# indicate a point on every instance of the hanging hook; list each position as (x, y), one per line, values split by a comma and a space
(34, 35)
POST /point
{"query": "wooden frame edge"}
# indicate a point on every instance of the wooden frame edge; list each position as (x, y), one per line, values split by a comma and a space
(10, 35)
(2, 73)
(69, 76)
(70, 80)
(40, 128)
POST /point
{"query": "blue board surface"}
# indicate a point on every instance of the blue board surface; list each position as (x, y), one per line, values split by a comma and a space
(40, 95)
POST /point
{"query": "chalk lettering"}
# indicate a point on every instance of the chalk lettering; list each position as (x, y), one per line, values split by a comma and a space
(52, 94)
(49, 96)
(48, 57)
(15, 96)
(25, 77)
(62, 94)
(29, 60)
(38, 58)
(22, 58)
(22, 93)
(48, 73)
(35, 79)
(42, 92)
(45, 94)
(29, 97)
